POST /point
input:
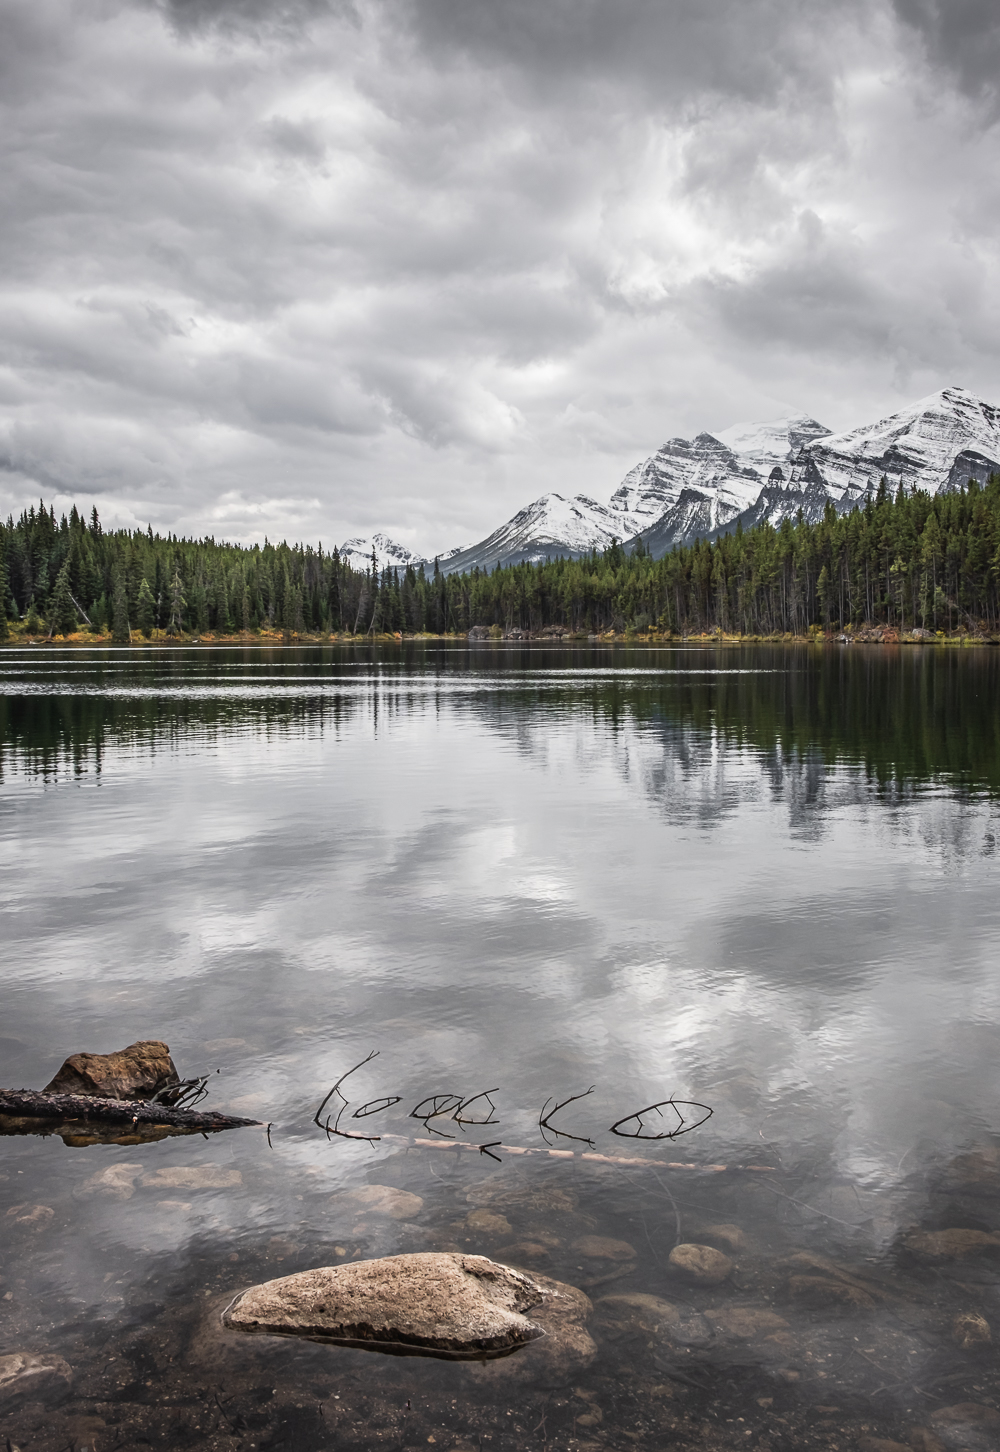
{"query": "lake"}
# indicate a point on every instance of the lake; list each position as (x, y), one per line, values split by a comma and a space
(761, 880)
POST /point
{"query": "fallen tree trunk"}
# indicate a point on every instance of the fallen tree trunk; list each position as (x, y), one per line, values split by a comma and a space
(86, 1109)
(458, 1146)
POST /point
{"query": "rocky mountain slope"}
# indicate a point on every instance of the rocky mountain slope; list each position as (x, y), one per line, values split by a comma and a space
(552, 525)
(700, 488)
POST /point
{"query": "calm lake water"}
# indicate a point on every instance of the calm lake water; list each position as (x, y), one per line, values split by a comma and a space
(760, 879)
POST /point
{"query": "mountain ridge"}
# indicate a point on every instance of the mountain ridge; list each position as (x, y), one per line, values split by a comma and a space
(747, 474)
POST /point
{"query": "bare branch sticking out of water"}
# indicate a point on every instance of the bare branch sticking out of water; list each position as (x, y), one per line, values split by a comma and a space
(184, 1095)
(460, 1116)
(375, 1106)
(544, 1119)
(442, 1106)
(335, 1128)
(681, 1127)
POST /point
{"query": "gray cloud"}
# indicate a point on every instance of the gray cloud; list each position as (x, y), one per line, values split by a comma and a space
(961, 35)
(326, 268)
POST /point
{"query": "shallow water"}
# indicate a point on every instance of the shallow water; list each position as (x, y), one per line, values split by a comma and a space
(760, 879)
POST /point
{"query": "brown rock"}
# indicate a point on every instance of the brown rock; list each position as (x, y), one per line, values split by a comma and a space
(192, 1177)
(432, 1304)
(655, 1316)
(966, 1414)
(487, 1222)
(23, 1374)
(969, 1329)
(138, 1072)
(701, 1264)
(954, 1244)
(747, 1322)
(117, 1182)
(922, 1439)
(825, 1291)
(383, 1200)
(524, 1250)
(563, 1353)
(731, 1237)
(602, 1247)
(881, 1444)
(32, 1216)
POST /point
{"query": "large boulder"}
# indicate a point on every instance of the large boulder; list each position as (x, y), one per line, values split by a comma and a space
(138, 1072)
(434, 1303)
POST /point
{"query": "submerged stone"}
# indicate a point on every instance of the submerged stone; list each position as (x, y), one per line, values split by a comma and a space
(825, 1291)
(24, 1374)
(603, 1247)
(953, 1244)
(702, 1264)
(488, 1222)
(382, 1200)
(459, 1307)
(969, 1329)
(635, 1310)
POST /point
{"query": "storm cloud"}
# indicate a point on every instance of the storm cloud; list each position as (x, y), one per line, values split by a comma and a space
(319, 267)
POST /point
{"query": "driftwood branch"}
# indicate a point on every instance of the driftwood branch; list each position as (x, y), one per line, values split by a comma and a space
(90, 1109)
(334, 1128)
(544, 1119)
(682, 1126)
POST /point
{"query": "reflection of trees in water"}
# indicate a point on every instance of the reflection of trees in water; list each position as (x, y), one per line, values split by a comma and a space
(50, 736)
(904, 716)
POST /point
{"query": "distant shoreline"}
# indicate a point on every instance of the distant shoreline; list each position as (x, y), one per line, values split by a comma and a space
(874, 635)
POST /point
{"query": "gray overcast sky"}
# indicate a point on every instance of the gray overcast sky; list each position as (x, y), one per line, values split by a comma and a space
(328, 266)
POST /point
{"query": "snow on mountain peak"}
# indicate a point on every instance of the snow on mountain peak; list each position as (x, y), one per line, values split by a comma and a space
(917, 446)
(774, 443)
(357, 552)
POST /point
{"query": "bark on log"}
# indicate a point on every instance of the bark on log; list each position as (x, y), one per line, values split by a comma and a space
(85, 1109)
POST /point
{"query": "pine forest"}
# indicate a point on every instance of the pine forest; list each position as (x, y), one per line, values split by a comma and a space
(902, 562)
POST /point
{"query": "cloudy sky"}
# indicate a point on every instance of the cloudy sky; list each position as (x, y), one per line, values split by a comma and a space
(320, 267)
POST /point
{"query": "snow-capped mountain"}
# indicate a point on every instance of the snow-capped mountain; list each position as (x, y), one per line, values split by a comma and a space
(699, 488)
(552, 525)
(357, 552)
(767, 446)
(917, 446)
(691, 489)
(939, 442)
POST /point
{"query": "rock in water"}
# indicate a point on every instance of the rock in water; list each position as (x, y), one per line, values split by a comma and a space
(40, 1378)
(702, 1264)
(459, 1307)
(138, 1072)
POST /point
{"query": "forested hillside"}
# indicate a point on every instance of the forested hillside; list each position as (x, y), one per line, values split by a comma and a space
(909, 561)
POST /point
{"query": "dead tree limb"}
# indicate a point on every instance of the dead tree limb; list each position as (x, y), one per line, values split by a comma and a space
(91, 1109)
(675, 1104)
(544, 1120)
(457, 1146)
(335, 1129)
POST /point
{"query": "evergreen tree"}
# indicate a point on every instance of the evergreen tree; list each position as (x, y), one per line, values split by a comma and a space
(120, 632)
(62, 611)
(145, 609)
(5, 601)
(177, 603)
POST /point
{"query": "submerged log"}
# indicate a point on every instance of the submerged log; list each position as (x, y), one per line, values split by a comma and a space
(75, 1113)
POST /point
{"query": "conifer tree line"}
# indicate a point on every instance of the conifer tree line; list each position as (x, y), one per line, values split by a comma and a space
(906, 560)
